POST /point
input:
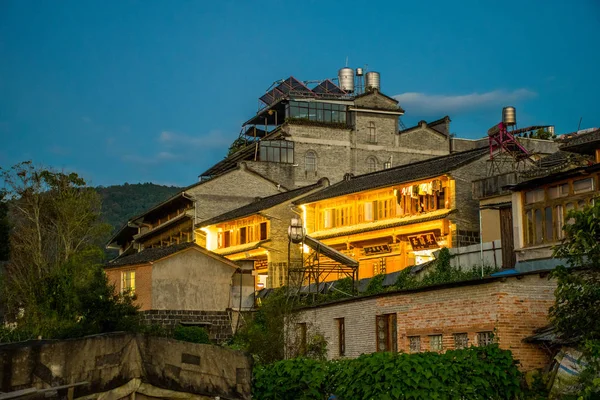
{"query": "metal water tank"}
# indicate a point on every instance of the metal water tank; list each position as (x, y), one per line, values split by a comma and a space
(359, 72)
(509, 116)
(372, 80)
(346, 79)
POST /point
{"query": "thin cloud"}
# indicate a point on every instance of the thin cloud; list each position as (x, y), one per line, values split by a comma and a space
(438, 104)
(213, 139)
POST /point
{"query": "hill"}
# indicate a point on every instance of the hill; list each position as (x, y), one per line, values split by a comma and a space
(121, 202)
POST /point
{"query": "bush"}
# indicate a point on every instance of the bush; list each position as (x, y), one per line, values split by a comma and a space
(193, 334)
(474, 373)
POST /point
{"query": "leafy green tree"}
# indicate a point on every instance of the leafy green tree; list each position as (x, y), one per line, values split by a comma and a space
(4, 229)
(236, 145)
(576, 312)
(53, 285)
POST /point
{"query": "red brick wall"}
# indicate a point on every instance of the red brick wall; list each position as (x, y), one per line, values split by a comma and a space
(143, 283)
(513, 308)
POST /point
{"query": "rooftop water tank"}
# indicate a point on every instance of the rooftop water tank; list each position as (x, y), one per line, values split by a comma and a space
(372, 80)
(509, 116)
(346, 79)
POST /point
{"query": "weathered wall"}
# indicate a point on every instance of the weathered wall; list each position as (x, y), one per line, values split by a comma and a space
(191, 280)
(143, 283)
(425, 139)
(514, 307)
(111, 361)
(229, 191)
(218, 324)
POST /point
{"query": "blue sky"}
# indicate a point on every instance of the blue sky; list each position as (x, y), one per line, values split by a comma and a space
(137, 91)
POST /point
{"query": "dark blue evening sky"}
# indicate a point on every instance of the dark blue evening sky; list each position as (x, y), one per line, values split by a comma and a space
(136, 91)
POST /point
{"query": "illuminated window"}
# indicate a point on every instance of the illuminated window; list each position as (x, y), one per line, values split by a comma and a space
(435, 343)
(128, 281)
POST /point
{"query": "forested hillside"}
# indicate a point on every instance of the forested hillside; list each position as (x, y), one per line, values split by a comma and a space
(121, 202)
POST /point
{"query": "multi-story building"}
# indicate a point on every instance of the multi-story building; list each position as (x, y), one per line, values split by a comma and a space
(391, 219)
(258, 232)
(527, 209)
(172, 221)
(301, 135)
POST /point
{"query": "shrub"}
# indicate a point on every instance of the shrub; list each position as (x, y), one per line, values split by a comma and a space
(474, 373)
(193, 334)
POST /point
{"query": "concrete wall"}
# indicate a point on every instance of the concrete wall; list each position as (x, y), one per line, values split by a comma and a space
(513, 307)
(114, 365)
(467, 257)
(191, 280)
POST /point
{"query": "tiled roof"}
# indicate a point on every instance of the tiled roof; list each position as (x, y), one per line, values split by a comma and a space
(401, 174)
(261, 204)
(150, 255)
(582, 142)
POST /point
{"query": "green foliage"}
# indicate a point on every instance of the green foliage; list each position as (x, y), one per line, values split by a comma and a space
(121, 202)
(4, 229)
(236, 145)
(375, 285)
(441, 272)
(193, 334)
(576, 312)
(53, 285)
(474, 373)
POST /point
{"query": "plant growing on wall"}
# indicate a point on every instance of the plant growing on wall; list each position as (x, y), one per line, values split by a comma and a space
(576, 312)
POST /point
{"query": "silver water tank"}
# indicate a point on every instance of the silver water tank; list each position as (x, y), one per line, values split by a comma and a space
(372, 80)
(509, 116)
(346, 79)
(359, 72)
(550, 129)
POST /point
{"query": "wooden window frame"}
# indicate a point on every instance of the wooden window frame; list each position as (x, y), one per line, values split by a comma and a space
(341, 331)
(386, 324)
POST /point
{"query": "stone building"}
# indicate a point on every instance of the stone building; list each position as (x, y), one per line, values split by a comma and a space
(257, 232)
(180, 284)
(527, 209)
(172, 221)
(301, 135)
(448, 316)
(391, 219)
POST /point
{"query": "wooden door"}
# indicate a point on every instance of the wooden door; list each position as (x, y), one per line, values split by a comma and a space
(507, 238)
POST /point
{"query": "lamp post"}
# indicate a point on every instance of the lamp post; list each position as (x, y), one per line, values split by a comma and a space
(295, 235)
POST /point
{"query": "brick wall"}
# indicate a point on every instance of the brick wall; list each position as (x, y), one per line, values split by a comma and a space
(143, 283)
(217, 323)
(512, 307)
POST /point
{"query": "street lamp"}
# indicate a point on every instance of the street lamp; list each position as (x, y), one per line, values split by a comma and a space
(296, 230)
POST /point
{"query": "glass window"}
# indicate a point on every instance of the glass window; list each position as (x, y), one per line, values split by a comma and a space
(533, 196)
(583, 185)
(263, 231)
(310, 161)
(372, 133)
(387, 165)
(369, 211)
(461, 340)
(560, 222)
(128, 281)
(555, 192)
(485, 338)
(277, 151)
(435, 343)
(386, 332)
(529, 226)
(549, 226)
(539, 236)
(414, 344)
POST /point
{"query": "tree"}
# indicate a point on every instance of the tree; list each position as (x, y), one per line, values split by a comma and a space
(576, 312)
(236, 145)
(4, 229)
(53, 283)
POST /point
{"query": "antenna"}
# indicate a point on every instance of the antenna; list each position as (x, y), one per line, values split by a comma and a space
(579, 126)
